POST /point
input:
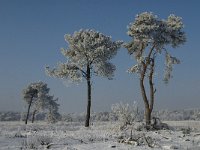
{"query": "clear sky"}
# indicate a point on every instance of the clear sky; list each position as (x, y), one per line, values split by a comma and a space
(32, 33)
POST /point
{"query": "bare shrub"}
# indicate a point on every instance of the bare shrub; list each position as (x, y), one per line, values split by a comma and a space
(30, 143)
(125, 113)
(36, 142)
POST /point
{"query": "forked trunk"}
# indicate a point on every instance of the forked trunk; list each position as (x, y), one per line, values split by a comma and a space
(146, 103)
(87, 121)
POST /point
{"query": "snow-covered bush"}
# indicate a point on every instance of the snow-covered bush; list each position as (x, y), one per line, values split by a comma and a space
(36, 142)
(67, 117)
(186, 131)
(44, 140)
(30, 143)
(125, 113)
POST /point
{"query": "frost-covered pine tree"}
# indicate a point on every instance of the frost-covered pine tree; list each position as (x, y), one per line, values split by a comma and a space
(36, 95)
(88, 53)
(151, 37)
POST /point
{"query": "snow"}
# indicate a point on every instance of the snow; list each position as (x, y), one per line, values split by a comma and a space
(16, 135)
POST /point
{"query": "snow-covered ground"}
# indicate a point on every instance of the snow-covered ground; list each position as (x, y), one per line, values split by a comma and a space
(184, 135)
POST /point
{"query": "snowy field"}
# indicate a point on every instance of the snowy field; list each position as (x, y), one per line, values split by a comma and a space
(184, 135)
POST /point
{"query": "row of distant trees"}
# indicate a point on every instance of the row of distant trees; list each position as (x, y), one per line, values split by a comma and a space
(167, 115)
(89, 53)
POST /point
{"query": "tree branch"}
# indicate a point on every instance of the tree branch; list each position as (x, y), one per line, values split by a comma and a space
(151, 50)
(83, 73)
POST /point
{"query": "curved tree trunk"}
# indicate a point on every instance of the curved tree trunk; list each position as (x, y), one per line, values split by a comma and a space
(87, 121)
(146, 103)
(144, 96)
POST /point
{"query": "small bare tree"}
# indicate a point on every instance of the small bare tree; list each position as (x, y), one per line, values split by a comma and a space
(88, 52)
(151, 36)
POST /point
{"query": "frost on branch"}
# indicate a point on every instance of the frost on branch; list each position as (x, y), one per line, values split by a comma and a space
(151, 35)
(169, 61)
(126, 113)
(105, 69)
(65, 71)
(86, 48)
(174, 27)
(135, 69)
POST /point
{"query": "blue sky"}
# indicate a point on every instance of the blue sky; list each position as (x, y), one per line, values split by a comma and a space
(32, 33)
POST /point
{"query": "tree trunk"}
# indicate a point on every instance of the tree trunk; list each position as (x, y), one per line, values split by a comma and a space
(148, 117)
(151, 85)
(144, 96)
(146, 103)
(33, 116)
(29, 106)
(87, 121)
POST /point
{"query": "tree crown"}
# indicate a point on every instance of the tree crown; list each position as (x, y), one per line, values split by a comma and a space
(86, 48)
(38, 94)
(153, 34)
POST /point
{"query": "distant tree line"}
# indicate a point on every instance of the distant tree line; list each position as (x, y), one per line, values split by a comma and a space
(167, 115)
